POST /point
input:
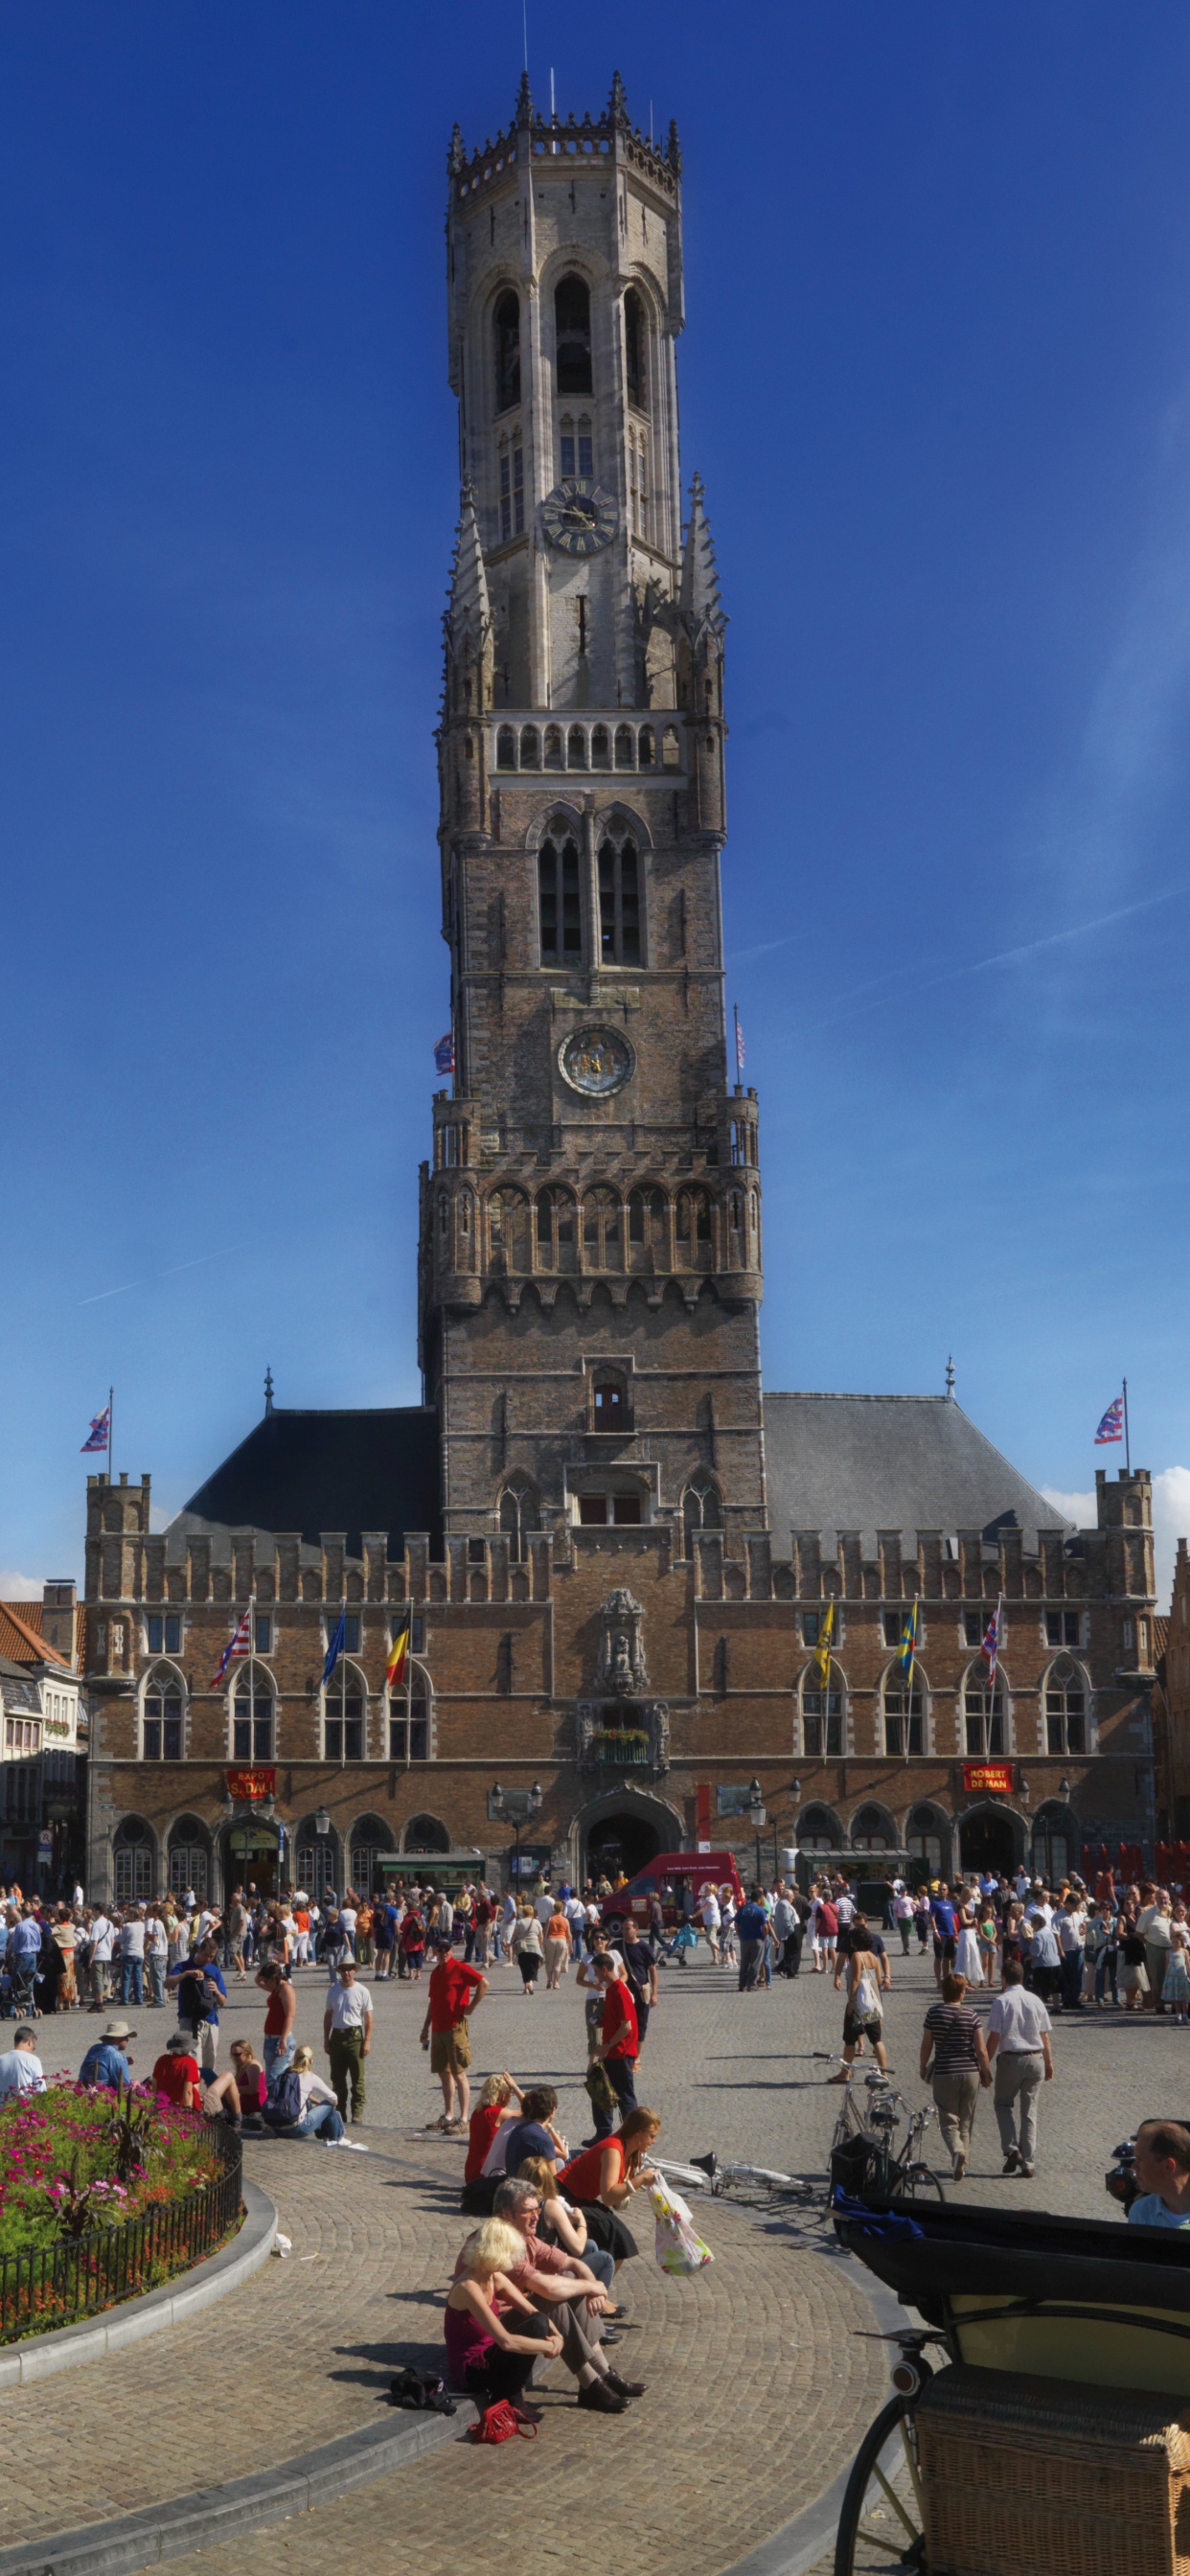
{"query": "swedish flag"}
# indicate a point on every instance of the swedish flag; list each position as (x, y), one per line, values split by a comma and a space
(907, 1650)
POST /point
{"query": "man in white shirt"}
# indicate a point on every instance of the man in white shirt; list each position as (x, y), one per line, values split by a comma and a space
(711, 1920)
(1018, 2040)
(156, 1957)
(99, 1973)
(77, 1898)
(20, 2066)
(543, 1906)
(347, 2038)
(1070, 1924)
(131, 1943)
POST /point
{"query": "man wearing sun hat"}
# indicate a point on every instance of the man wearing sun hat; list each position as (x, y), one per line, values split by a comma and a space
(107, 2060)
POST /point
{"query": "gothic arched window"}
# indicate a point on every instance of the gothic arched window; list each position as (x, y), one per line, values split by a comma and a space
(874, 1831)
(560, 905)
(903, 1712)
(576, 748)
(530, 747)
(553, 747)
(601, 1229)
(984, 1728)
(506, 323)
(506, 748)
(508, 1229)
(520, 1515)
(694, 1229)
(619, 903)
(701, 1509)
(646, 1226)
(343, 1713)
(572, 328)
(601, 748)
(161, 1717)
(252, 1716)
(636, 363)
(555, 1230)
(1065, 1709)
(822, 1712)
(819, 1830)
(625, 748)
(409, 1722)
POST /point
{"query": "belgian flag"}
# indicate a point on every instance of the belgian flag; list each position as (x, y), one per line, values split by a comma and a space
(395, 1669)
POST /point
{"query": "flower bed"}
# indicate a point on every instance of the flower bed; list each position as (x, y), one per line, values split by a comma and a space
(103, 2197)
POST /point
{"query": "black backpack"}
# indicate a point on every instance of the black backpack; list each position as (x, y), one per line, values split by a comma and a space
(421, 2391)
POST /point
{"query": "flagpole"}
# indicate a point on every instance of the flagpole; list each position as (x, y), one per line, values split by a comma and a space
(1127, 1443)
(111, 1399)
(409, 1689)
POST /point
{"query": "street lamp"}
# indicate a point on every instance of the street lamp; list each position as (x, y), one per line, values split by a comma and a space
(756, 1811)
(322, 1822)
(517, 1805)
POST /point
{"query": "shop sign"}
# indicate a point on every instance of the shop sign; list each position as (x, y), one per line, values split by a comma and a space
(987, 1776)
(252, 1784)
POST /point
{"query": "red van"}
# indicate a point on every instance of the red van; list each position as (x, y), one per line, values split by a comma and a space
(668, 1870)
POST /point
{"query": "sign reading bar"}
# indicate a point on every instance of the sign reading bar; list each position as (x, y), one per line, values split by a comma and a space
(987, 1775)
(252, 1784)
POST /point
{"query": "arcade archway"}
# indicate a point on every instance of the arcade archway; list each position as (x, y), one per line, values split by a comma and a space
(990, 1838)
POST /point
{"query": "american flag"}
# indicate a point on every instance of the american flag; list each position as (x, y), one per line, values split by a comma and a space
(444, 1053)
(1112, 1425)
(239, 1643)
(97, 1437)
(990, 1648)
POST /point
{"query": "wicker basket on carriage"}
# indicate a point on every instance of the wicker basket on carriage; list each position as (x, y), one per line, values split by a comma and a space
(1021, 2475)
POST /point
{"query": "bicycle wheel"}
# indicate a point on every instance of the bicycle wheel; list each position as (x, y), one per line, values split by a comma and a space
(880, 2525)
(919, 2181)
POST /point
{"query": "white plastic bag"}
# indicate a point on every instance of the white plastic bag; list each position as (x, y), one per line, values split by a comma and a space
(679, 2248)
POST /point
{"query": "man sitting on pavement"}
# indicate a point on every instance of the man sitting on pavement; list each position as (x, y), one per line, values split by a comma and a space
(20, 2065)
(565, 2288)
(454, 1992)
(107, 2060)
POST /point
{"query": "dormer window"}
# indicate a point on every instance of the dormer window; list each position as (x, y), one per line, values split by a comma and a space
(572, 328)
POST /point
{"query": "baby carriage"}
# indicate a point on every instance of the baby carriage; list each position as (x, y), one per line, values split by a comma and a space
(684, 1941)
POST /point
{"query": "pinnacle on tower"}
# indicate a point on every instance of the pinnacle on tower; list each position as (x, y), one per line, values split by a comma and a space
(457, 155)
(673, 149)
(617, 105)
(523, 113)
(698, 596)
(469, 614)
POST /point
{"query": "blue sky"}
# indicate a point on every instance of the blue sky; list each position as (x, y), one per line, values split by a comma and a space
(936, 377)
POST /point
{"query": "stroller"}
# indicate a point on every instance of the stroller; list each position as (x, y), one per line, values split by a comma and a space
(684, 1941)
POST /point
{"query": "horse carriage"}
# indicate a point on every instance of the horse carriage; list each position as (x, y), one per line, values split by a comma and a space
(1057, 2441)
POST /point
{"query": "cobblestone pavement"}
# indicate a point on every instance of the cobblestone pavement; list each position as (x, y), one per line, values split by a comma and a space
(759, 2383)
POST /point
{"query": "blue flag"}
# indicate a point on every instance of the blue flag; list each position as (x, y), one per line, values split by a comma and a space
(335, 1648)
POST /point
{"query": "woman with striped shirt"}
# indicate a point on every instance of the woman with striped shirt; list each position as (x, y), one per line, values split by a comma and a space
(953, 2038)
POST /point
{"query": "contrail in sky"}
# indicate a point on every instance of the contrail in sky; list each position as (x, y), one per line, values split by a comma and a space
(171, 1273)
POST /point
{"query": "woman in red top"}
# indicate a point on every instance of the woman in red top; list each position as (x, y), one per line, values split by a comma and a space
(413, 1943)
(500, 2099)
(604, 2178)
(619, 2043)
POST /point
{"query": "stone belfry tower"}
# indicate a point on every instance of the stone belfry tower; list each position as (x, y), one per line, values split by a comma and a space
(590, 1266)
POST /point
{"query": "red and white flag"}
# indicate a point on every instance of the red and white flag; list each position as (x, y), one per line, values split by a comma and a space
(239, 1643)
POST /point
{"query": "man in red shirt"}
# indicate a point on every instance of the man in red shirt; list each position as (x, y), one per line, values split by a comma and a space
(454, 1993)
(619, 2041)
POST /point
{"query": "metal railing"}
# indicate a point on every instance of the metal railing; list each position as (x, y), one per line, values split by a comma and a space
(56, 2285)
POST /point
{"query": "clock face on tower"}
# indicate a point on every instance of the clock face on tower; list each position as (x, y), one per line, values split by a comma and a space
(579, 517)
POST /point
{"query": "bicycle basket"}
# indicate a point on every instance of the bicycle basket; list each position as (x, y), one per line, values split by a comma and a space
(850, 2166)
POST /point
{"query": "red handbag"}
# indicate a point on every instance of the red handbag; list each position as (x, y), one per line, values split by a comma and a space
(498, 2423)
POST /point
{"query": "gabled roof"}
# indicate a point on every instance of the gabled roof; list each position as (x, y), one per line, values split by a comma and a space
(317, 1472)
(890, 1462)
(21, 1639)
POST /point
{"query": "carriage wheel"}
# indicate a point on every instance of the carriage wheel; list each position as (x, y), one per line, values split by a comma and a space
(880, 2525)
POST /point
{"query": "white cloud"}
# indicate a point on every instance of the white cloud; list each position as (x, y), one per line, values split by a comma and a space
(1171, 1520)
(19, 1587)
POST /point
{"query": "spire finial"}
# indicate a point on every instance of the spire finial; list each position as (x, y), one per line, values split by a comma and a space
(673, 149)
(524, 101)
(456, 155)
(617, 105)
(950, 1381)
(268, 1391)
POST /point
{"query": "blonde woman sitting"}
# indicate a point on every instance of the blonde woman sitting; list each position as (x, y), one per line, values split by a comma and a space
(486, 2355)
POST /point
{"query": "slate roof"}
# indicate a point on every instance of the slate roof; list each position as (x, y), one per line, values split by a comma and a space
(353, 1471)
(891, 1462)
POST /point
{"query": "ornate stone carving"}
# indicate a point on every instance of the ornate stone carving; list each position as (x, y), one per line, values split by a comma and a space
(621, 1668)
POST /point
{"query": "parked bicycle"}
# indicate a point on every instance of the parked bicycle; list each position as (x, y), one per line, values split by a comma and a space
(863, 2160)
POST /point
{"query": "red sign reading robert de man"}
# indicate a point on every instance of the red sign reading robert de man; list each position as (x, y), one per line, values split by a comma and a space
(251, 1784)
(987, 1775)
